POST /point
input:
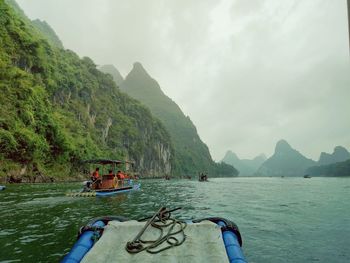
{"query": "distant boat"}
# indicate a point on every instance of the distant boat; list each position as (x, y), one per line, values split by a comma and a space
(2, 187)
(203, 178)
(307, 176)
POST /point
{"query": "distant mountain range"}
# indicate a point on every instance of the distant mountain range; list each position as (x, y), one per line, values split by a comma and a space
(340, 154)
(245, 167)
(287, 161)
(110, 69)
(334, 169)
(334, 164)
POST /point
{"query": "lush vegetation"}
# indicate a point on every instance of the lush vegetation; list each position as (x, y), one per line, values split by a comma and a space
(191, 154)
(47, 31)
(110, 69)
(57, 109)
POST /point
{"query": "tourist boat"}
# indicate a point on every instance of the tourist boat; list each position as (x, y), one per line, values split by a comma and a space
(119, 239)
(113, 178)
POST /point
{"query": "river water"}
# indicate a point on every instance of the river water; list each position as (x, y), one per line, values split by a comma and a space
(280, 219)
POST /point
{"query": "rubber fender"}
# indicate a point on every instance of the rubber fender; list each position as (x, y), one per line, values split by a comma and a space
(232, 244)
(82, 246)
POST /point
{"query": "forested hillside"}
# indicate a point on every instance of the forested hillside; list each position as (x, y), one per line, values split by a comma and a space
(110, 69)
(57, 109)
(191, 154)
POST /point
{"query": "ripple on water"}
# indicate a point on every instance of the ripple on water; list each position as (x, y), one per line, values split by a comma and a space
(7, 232)
(33, 237)
(281, 220)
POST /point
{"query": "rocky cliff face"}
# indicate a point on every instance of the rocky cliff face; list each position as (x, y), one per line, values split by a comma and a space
(285, 161)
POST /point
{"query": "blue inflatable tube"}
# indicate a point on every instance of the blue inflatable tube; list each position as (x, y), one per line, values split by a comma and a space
(230, 234)
(232, 246)
(82, 246)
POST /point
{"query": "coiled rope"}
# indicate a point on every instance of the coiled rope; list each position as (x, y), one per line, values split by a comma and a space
(160, 220)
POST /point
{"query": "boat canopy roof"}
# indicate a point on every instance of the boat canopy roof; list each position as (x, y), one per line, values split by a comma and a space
(105, 161)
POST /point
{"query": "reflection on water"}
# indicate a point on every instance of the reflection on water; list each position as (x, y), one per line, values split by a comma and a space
(281, 219)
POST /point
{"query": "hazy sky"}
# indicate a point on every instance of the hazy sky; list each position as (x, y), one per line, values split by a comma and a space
(247, 72)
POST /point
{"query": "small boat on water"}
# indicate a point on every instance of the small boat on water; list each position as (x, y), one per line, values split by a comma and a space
(307, 176)
(158, 238)
(2, 187)
(202, 177)
(115, 178)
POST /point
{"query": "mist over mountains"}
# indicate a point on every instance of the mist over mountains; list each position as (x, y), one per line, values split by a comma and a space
(339, 154)
(59, 109)
(287, 161)
(245, 167)
(295, 76)
(191, 154)
(110, 69)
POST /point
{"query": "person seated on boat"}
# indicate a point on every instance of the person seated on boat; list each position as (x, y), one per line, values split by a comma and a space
(121, 177)
(110, 175)
(95, 174)
(96, 177)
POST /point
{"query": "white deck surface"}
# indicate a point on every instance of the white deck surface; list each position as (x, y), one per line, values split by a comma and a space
(203, 244)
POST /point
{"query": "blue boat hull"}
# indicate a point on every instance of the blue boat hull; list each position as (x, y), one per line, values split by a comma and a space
(118, 191)
(230, 235)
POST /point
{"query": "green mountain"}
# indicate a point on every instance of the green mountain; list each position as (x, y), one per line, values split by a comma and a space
(110, 69)
(44, 28)
(191, 154)
(334, 169)
(245, 167)
(57, 109)
(47, 31)
(340, 154)
(286, 161)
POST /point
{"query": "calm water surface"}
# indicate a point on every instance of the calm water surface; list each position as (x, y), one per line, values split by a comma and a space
(281, 219)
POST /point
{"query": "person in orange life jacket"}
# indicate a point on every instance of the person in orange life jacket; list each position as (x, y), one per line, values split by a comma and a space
(121, 177)
(96, 177)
